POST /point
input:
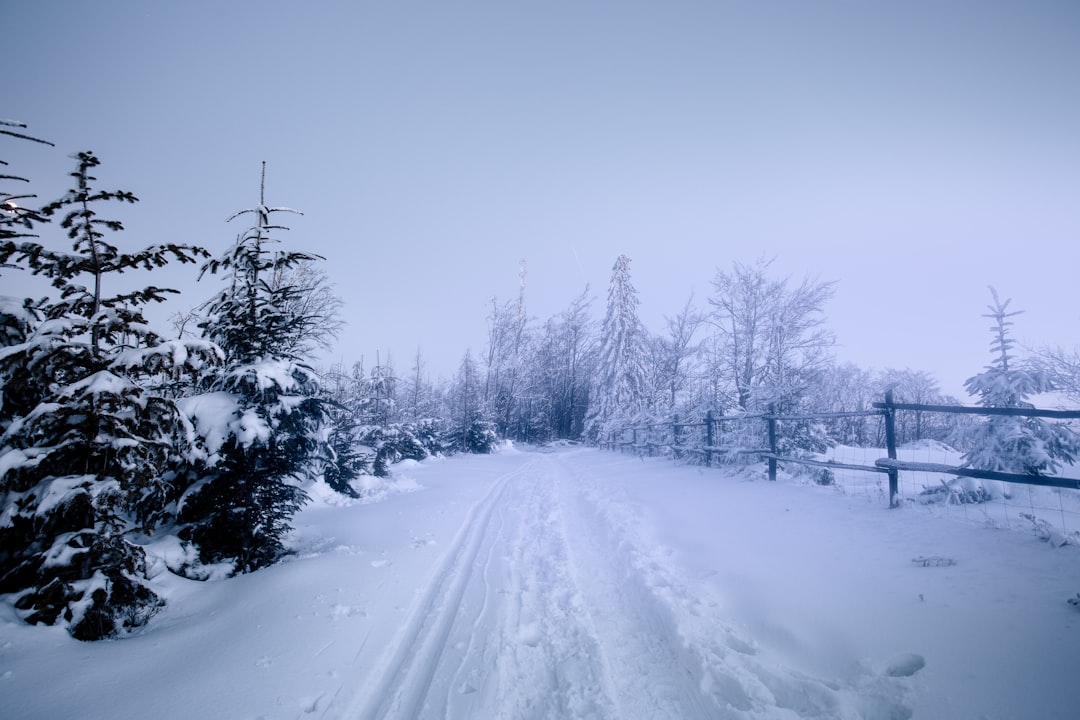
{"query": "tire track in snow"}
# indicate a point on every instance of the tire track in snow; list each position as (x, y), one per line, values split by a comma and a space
(551, 663)
(404, 678)
(652, 674)
(501, 631)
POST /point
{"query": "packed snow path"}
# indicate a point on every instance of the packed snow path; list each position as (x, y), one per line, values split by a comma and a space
(547, 606)
(584, 584)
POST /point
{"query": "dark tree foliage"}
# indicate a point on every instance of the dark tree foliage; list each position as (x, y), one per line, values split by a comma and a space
(86, 452)
(239, 509)
(16, 221)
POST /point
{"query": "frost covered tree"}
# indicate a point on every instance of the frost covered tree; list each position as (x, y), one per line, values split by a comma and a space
(772, 339)
(674, 355)
(1009, 443)
(620, 392)
(88, 454)
(507, 385)
(418, 394)
(471, 429)
(919, 387)
(365, 436)
(259, 419)
(564, 363)
(1061, 366)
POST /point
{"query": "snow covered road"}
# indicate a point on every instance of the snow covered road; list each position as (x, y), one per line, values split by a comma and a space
(583, 584)
(547, 607)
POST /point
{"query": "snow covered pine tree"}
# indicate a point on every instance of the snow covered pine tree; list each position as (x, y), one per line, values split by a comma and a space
(620, 387)
(86, 450)
(259, 420)
(1009, 443)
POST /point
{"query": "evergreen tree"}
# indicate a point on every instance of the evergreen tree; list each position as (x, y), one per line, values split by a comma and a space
(87, 454)
(1008, 443)
(419, 394)
(260, 419)
(346, 461)
(17, 315)
(620, 387)
(472, 430)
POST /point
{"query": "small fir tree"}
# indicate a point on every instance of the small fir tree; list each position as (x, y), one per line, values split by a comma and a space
(472, 430)
(261, 422)
(1006, 443)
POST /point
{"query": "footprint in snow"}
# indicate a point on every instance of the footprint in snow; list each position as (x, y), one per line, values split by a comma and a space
(905, 665)
(529, 634)
(380, 563)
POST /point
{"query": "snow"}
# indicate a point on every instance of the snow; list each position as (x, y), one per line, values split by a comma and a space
(61, 489)
(102, 382)
(577, 583)
(190, 353)
(214, 416)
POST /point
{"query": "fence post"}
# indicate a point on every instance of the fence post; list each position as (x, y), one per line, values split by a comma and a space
(772, 441)
(890, 448)
(676, 453)
(708, 438)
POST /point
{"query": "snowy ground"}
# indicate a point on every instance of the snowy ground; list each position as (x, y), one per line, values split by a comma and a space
(577, 583)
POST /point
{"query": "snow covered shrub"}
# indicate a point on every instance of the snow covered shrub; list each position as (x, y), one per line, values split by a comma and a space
(1011, 443)
(346, 461)
(261, 432)
(481, 437)
(431, 434)
(86, 447)
(958, 491)
(391, 444)
(802, 438)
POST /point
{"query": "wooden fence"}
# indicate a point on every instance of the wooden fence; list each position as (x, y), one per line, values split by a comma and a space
(650, 438)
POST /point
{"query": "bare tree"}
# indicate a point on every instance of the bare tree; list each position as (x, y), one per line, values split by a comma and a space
(313, 303)
(674, 356)
(772, 334)
(1061, 366)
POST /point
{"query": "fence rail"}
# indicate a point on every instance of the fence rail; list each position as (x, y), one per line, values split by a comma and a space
(641, 439)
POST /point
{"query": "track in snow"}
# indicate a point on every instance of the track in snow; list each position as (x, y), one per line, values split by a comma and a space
(547, 605)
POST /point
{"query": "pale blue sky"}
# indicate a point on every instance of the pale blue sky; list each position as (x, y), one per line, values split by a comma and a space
(915, 152)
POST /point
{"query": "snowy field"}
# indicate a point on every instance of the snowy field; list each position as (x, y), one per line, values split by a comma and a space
(1051, 512)
(576, 583)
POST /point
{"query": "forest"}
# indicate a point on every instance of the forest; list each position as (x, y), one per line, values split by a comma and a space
(205, 434)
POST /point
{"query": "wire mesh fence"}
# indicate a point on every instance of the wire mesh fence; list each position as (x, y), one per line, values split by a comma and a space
(926, 475)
